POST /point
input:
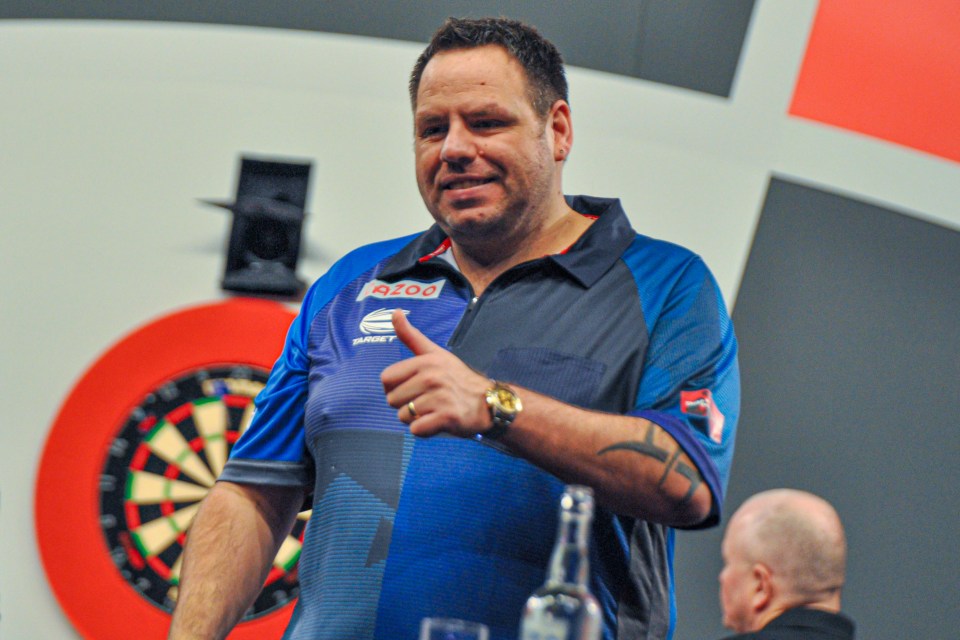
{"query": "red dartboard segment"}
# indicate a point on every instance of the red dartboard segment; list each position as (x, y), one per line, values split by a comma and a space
(98, 601)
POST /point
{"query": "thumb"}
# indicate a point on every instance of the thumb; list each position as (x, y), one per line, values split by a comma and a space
(410, 335)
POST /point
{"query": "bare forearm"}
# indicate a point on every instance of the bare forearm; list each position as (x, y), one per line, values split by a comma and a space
(229, 550)
(635, 467)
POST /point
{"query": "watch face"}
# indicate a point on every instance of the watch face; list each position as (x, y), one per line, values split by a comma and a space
(507, 400)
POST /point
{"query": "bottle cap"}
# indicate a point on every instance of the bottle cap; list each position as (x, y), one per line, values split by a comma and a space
(577, 499)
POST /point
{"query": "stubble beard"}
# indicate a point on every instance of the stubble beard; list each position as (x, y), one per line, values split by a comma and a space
(485, 237)
(511, 222)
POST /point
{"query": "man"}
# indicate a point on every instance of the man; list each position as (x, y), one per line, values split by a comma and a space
(437, 391)
(784, 558)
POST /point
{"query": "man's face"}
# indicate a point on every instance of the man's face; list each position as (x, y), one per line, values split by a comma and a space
(484, 158)
(736, 584)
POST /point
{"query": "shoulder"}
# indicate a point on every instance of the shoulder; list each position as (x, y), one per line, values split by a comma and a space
(365, 257)
(646, 250)
(350, 267)
(663, 272)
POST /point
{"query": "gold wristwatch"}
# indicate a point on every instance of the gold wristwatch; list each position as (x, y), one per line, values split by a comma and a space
(504, 405)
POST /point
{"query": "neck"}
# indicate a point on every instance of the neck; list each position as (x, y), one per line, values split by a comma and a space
(481, 262)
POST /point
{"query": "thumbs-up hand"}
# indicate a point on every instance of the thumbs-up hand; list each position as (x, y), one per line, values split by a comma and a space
(434, 391)
(412, 337)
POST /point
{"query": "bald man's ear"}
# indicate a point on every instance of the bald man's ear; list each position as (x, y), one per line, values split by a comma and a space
(763, 587)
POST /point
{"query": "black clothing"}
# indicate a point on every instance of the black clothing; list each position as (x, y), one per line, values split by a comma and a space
(803, 623)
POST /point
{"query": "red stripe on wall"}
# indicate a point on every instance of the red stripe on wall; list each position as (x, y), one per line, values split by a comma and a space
(890, 70)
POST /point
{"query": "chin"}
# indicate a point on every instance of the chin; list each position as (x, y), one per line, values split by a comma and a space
(469, 223)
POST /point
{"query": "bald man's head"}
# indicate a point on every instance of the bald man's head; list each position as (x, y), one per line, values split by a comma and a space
(782, 549)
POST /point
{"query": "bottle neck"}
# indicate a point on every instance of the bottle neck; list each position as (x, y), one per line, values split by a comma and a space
(570, 563)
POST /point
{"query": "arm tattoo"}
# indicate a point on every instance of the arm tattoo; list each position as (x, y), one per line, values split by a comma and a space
(672, 462)
(647, 447)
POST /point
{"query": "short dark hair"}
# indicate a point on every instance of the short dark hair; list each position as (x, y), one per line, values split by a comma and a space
(539, 57)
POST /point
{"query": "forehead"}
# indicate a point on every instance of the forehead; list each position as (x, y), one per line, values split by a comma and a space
(479, 73)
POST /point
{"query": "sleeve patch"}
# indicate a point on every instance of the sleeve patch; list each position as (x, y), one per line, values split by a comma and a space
(700, 403)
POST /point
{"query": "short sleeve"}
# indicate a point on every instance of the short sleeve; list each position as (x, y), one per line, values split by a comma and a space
(272, 450)
(690, 384)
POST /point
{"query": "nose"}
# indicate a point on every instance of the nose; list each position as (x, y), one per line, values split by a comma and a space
(459, 146)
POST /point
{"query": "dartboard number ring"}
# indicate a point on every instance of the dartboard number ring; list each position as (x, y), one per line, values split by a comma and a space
(161, 464)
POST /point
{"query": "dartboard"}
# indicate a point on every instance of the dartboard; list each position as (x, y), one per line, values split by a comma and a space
(136, 445)
(159, 466)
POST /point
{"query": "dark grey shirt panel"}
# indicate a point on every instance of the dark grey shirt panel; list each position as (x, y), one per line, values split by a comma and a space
(648, 543)
(584, 346)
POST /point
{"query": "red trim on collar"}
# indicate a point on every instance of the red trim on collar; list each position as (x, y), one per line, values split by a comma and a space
(433, 254)
(446, 244)
(585, 215)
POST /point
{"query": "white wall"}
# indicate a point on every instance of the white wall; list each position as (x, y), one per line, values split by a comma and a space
(110, 132)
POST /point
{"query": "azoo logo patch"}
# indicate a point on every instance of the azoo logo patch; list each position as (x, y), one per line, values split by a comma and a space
(378, 326)
(403, 289)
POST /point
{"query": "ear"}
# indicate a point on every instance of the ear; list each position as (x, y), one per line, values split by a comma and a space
(560, 126)
(763, 588)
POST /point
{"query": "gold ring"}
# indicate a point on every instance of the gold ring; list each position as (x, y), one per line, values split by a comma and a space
(412, 409)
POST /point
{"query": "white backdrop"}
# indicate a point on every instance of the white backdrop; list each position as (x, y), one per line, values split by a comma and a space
(111, 132)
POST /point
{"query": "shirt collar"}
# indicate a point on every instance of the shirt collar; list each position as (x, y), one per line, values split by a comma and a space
(806, 617)
(592, 255)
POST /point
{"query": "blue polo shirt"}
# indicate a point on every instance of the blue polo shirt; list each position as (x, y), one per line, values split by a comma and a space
(405, 527)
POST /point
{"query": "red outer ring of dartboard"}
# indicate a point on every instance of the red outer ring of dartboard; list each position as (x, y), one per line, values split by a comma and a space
(97, 600)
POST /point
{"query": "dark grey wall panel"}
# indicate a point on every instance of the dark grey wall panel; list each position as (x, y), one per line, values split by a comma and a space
(848, 318)
(694, 44)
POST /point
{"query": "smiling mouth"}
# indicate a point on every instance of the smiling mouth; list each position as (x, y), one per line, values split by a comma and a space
(455, 185)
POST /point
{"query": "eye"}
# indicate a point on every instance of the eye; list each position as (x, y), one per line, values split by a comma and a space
(431, 131)
(488, 123)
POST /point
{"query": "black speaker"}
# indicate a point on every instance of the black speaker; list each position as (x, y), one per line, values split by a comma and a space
(265, 237)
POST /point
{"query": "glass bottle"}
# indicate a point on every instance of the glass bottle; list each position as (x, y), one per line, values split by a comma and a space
(563, 608)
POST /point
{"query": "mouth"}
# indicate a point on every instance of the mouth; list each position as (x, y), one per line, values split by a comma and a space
(463, 183)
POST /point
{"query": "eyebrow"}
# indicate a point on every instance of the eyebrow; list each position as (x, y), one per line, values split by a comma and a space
(485, 109)
(428, 118)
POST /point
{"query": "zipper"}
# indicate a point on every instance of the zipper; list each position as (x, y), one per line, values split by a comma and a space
(473, 307)
(465, 320)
